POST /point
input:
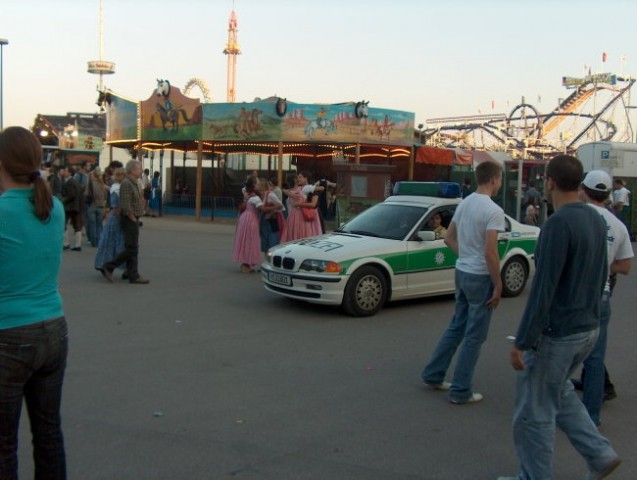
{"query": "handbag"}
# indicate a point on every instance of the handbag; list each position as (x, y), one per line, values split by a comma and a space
(309, 214)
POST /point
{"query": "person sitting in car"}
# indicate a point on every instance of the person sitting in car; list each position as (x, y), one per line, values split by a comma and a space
(435, 223)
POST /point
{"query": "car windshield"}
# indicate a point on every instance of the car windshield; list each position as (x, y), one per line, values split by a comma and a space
(385, 221)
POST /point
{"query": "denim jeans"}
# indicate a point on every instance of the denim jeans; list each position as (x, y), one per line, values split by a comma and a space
(32, 364)
(469, 325)
(94, 227)
(593, 395)
(545, 397)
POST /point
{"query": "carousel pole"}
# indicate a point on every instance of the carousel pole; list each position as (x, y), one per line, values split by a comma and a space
(199, 181)
(280, 165)
(161, 181)
(412, 156)
(357, 154)
(172, 172)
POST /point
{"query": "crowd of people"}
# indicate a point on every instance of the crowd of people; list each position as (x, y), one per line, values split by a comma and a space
(94, 203)
(270, 215)
(581, 247)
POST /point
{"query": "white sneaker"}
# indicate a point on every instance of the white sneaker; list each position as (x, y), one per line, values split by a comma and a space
(444, 386)
(474, 398)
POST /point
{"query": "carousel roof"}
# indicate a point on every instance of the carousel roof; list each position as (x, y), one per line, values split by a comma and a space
(168, 120)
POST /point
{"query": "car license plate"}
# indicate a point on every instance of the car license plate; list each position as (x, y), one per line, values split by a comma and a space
(280, 278)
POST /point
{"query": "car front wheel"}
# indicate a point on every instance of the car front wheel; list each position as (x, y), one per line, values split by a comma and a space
(514, 276)
(365, 293)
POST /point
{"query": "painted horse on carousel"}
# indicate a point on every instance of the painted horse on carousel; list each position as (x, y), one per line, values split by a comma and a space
(168, 113)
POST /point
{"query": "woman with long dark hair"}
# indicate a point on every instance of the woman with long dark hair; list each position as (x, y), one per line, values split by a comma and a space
(33, 332)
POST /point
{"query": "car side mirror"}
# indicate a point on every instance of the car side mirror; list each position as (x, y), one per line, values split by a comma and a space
(426, 235)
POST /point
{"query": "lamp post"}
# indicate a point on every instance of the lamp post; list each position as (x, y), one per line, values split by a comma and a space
(3, 42)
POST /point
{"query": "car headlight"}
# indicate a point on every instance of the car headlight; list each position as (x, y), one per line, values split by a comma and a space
(321, 266)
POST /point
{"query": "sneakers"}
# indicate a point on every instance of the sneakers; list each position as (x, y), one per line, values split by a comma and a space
(599, 475)
(76, 249)
(474, 398)
(140, 281)
(606, 471)
(444, 386)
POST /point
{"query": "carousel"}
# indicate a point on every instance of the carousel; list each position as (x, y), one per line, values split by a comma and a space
(352, 134)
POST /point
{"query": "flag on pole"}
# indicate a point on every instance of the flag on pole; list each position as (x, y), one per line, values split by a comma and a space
(604, 57)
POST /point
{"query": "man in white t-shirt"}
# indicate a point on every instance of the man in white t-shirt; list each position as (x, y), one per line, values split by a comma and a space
(473, 236)
(620, 199)
(595, 190)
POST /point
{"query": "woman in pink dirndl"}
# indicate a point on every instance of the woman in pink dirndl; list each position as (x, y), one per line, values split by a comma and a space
(247, 241)
(296, 225)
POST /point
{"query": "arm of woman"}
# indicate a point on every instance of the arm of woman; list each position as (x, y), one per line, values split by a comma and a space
(311, 203)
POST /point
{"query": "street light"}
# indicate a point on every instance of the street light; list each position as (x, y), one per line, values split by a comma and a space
(3, 42)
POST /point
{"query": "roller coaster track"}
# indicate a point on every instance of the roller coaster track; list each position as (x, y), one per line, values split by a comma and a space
(527, 132)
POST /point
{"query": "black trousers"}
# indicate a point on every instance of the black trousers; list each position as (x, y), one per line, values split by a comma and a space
(130, 229)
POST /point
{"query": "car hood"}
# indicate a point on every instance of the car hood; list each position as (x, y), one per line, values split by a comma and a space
(336, 247)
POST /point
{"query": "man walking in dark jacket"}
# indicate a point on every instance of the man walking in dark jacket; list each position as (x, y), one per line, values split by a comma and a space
(559, 329)
(131, 209)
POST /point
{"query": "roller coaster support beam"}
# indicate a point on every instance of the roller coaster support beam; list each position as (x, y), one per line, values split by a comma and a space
(596, 117)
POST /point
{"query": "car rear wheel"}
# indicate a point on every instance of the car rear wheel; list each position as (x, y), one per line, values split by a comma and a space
(365, 293)
(514, 276)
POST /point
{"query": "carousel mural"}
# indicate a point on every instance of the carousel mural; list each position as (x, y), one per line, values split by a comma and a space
(168, 116)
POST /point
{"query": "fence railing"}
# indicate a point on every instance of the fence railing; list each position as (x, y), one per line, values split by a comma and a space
(184, 204)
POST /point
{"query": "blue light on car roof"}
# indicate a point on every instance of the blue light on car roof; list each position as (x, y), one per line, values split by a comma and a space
(428, 189)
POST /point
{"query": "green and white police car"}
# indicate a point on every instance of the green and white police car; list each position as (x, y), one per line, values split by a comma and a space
(388, 253)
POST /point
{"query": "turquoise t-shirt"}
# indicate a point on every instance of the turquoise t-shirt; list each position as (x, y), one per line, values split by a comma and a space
(30, 258)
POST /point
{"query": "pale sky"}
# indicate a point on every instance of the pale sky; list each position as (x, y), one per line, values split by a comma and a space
(434, 58)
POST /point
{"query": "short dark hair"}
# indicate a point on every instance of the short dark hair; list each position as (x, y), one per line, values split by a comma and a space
(486, 171)
(566, 171)
(595, 194)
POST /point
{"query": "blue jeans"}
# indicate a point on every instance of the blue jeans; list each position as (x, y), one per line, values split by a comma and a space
(469, 325)
(593, 395)
(545, 397)
(94, 227)
(32, 364)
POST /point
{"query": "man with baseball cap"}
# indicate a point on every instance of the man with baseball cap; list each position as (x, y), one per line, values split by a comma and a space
(595, 190)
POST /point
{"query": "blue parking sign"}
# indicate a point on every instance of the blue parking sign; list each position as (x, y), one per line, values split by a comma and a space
(605, 154)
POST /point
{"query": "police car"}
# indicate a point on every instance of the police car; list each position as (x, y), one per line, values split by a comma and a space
(389, 252)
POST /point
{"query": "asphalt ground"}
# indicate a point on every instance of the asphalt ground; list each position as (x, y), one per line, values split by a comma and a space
(202, 374)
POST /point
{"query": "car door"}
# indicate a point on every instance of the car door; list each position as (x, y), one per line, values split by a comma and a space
(430, 262)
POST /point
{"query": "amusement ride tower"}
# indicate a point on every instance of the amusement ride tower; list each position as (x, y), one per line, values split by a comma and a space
(232, 50)
(101, 67)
